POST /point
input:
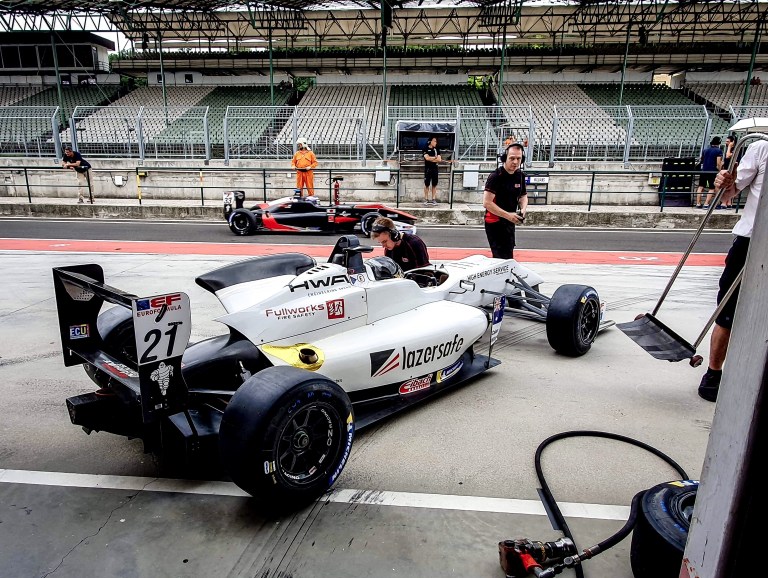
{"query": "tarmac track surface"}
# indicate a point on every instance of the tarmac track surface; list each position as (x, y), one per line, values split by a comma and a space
(429, 493)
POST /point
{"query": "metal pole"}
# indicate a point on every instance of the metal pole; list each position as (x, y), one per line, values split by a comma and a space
(384, 93)
(58, 79)
(755, 45)
(162, 76)
(624, 66)
(501, 70)
(271, 67)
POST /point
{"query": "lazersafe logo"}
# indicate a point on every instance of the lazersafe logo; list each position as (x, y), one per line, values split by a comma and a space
(385, 361)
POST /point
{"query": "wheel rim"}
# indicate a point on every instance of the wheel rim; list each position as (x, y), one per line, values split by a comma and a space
(240, 223)
(589, 321)
(308, 444)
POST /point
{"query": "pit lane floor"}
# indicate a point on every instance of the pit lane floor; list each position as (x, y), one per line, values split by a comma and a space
(428, 493)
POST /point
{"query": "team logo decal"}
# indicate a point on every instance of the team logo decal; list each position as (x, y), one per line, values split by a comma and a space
(335, 308)
(162, 375)
(79, 331)
(383, 362)
(119, 369)
(449, 371)
(322, 283)
(414, 385)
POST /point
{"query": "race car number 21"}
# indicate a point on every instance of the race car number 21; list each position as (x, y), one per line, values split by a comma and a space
(163, 324)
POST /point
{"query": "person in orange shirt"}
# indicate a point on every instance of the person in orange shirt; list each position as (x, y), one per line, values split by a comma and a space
(304, 161)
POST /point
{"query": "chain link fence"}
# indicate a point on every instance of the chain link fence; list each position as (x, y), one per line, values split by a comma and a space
(578, 133)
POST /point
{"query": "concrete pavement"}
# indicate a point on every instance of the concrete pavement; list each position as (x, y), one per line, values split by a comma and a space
(645, 216)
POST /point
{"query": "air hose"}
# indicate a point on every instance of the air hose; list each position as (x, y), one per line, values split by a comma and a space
(550, 503)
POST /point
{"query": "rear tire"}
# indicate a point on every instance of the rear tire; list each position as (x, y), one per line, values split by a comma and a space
(663, 522)
(573, 319)
(242, 222)
(366, 223)
(286, 435)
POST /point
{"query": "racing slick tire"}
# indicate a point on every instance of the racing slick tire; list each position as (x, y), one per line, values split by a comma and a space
(366, 223)
(573, 319)
(286, 435)
(242, 222)
(663, 522)
(115, 327)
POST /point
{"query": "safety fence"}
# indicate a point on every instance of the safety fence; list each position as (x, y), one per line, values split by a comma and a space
(573, 133)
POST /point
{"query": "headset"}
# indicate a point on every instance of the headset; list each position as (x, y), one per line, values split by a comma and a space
(503, 157)
(394, 234)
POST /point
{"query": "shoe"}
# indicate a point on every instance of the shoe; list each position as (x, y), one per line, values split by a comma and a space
(705, 207)
(80, 201)
(433, 203)
(699, 206)
(710, 384)
(426, 202)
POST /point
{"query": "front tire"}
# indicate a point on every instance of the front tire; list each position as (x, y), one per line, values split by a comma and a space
(663, 522)
(286, 435)
(242, 222)
(573, 319)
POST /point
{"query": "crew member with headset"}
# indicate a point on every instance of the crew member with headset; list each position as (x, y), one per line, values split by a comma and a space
(505, 201)
(408, 251)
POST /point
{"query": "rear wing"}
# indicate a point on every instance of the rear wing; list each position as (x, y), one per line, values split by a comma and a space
(162, 325)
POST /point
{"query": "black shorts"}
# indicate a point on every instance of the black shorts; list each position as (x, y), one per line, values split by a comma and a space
(707, 180)
(501, 238)
(430, 176)
(734, 263)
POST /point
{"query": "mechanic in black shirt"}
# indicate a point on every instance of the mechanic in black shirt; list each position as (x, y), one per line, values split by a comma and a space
(432, 159)
(74, 161)
(505, 201)
(405, 249)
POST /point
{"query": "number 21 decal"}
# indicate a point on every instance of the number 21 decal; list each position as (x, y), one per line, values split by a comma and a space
(163, 326)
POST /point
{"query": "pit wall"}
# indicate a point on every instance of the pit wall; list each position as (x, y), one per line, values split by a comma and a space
(569, 183)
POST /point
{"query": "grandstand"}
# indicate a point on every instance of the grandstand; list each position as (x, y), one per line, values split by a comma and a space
(726, 95)
(13, 95)
(570, 90)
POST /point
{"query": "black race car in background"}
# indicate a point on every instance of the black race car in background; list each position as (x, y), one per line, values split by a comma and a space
(295, 214)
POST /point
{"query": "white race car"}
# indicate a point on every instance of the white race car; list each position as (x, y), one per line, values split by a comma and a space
(314, 351)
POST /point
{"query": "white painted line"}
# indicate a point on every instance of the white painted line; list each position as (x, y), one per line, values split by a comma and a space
(342, 496)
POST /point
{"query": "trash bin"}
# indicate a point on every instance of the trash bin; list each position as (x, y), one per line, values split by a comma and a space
(676, 184)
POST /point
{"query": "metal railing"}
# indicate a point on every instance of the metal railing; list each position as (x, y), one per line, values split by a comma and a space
(197, 183)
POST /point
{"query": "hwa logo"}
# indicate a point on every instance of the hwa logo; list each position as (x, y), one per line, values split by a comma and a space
(319, 283)
(384, 361)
